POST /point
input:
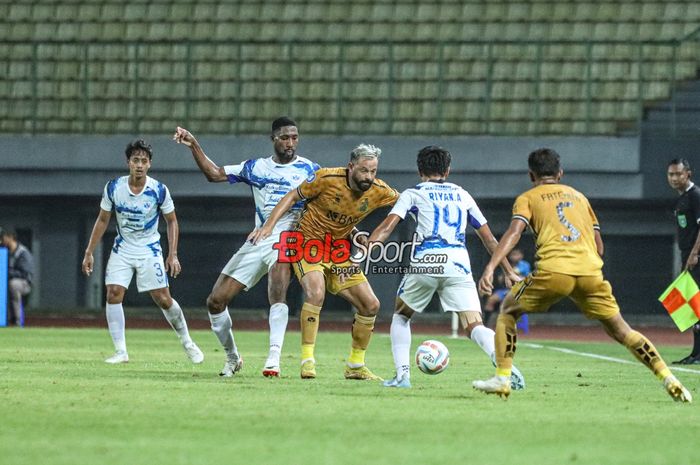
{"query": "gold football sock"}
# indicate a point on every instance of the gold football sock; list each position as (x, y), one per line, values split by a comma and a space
(309, 329)
(506, 338)
(645, 352)
(362, 329)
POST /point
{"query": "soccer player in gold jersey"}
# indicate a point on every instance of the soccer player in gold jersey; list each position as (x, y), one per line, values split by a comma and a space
(568, 263)
(337, 199)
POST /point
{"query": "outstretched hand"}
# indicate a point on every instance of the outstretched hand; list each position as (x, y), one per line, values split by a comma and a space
(259, 234)
(486, 282)
(183, 136)
(362, 238)
(511, 279)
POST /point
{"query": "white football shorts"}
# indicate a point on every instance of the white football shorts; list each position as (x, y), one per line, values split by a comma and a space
(252, 261)
(457, 293)
(150, 272)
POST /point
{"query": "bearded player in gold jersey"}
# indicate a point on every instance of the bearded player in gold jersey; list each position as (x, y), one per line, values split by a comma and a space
(568, 264)
(337, 200)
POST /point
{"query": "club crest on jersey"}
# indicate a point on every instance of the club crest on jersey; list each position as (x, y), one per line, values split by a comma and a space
(682, 221)
(364, 205)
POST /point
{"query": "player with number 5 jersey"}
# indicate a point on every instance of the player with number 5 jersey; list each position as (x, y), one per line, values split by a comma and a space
(564, 225)
(569, 264)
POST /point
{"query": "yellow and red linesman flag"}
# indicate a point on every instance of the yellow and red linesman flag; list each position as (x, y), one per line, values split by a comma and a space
(682, 300)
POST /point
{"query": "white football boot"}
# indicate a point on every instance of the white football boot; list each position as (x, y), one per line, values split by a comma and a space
(195, 355)
(118, 357)
(234, 363)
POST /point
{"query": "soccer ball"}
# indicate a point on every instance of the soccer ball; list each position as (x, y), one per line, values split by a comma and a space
(432, 357)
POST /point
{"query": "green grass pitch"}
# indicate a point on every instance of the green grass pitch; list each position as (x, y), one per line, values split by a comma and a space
(61, 404)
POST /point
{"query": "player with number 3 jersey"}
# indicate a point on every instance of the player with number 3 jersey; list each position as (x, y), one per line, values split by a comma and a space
(138, 200)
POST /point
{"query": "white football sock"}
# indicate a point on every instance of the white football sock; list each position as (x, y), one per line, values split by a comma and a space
(400, 332)
(484, 338)
(177, 321)
(115, 323)
(221, 325)
(279, 316)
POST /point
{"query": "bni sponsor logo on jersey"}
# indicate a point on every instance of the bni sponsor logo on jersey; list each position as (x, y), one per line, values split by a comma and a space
(293, 247)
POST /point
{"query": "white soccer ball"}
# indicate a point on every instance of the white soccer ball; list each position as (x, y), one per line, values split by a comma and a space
(432, 357)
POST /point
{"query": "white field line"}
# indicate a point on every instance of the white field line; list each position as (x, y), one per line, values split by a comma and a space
(599, 357)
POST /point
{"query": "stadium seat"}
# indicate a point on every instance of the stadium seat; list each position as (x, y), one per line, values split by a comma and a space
(19, 12)
(391, 75)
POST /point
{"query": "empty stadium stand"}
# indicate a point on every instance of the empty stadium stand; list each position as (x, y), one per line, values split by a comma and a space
(380, 67)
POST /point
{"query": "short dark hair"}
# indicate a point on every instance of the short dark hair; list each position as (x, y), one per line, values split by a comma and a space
(10, 231)
(433, 160)
(138, 144)
(281, 122)
(680, 161)
(544, 162)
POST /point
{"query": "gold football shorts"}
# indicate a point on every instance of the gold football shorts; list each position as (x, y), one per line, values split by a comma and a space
(332, 272)
(542, 289)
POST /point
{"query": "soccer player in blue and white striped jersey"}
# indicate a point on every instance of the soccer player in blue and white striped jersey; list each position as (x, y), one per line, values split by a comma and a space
(442, 211)
(269, 178)
(138, 200)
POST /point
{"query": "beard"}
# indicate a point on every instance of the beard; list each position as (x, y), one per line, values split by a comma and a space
(363, 185)
(286, 155)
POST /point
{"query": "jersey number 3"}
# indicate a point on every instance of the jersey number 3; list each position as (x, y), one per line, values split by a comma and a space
(575, 234)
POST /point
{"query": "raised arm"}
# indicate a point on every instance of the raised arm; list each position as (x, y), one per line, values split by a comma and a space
(280, 209)
(211, 170)
(98, 230)
(508, 241)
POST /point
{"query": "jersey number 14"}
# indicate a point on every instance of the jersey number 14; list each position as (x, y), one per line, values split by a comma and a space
(443, 216)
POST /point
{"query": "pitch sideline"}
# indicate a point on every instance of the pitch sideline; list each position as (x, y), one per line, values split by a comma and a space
(599, 357)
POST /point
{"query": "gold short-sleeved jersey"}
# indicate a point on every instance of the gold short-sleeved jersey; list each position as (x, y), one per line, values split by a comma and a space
(333, 207)
(563, 223)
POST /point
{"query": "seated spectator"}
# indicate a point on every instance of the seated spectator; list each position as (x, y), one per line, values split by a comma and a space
(20, 274)
(493, 303)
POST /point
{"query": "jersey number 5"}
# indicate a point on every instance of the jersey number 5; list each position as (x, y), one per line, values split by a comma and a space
(575, 234)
